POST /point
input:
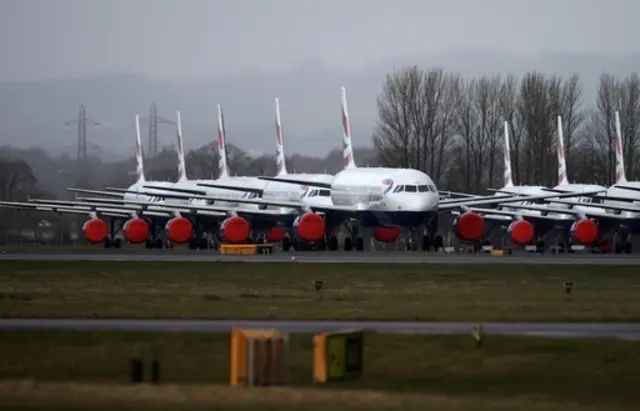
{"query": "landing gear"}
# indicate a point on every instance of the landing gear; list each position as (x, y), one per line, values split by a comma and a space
(333, 243)
(431, 239)
(354, 238)
(286, 243)
(623, 247)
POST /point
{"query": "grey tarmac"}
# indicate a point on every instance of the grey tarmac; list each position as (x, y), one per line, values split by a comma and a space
(627, 331)
(335, 257)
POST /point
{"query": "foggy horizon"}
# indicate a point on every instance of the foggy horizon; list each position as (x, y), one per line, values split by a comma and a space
(118, 57)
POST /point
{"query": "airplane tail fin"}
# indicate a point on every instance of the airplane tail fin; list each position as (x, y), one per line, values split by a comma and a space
(347, 148)
(139, 161)
(620, 174)
(182, 167)
(562, 164)
(280, 159)
(508, 180)
(223, 168)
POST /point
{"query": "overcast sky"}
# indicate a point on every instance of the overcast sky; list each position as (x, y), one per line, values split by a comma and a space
(200, 38)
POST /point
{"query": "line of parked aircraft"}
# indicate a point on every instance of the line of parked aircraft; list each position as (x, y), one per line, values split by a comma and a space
(307, 210)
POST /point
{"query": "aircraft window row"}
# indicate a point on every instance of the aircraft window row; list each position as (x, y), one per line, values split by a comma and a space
(320, 193)
(423, 188)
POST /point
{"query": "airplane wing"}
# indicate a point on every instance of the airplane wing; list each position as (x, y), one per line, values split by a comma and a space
(66, 209)
(297, 181)
(508, 215)
(258, 191)
(630, 188)
(95, 192)
(170, 189)
(505, 200)
(132, 206)
(587, 213)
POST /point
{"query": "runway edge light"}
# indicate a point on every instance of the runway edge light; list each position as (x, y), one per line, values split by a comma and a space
(338, 356)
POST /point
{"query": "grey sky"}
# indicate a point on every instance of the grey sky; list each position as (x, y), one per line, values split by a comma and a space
(201, 38)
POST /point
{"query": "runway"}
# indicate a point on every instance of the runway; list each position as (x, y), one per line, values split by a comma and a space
(627, 331)
(334, 257)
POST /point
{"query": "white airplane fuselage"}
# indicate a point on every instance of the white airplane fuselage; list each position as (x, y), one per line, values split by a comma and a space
(388, 197)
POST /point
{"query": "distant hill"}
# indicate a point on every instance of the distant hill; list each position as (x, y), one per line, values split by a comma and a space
(33, 113)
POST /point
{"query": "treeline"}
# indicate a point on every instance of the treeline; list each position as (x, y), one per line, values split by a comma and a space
(452, 127)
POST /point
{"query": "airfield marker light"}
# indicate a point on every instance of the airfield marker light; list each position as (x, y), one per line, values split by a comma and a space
(317, 284)
(568, 287)
(478, 334)
(136, 371)
(155, 371)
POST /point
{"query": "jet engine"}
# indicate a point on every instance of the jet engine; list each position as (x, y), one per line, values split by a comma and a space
(95, 230)
(521, 232)
(309, 226)
(276, 234)
(386, 234)
(235, 230)
(179, 230)
(136, 230)
(584, 231)
(469, 226)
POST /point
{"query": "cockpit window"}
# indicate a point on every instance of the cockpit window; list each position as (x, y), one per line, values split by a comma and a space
(433, 188)
(324, 193)
(411, 189)
(423, 188)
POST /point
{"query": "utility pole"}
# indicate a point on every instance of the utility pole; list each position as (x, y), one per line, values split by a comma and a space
(82, 177)
(154, 120)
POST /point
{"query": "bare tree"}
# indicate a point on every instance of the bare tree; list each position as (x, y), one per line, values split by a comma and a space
(509, 100)
(416, 115)
(539, 99)
(573, 117)
(16, 180)
(629, 107)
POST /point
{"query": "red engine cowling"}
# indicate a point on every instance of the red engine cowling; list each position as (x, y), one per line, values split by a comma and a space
(584, 231)
(95, 230)
(469, 226)
(136, 231)
(235, 230)
(309, 226)
(386, 234)
(179, 230)
(521, 232)
(276, 234)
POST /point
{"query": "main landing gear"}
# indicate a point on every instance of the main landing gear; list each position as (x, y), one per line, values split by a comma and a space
(115, 226)
(623, 244)
(354, 238)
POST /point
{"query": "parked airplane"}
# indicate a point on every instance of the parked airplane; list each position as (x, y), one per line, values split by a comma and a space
(526, 221)
(618, 210)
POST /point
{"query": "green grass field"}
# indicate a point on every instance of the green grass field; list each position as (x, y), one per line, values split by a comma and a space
(350, 291)
(49, 369)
